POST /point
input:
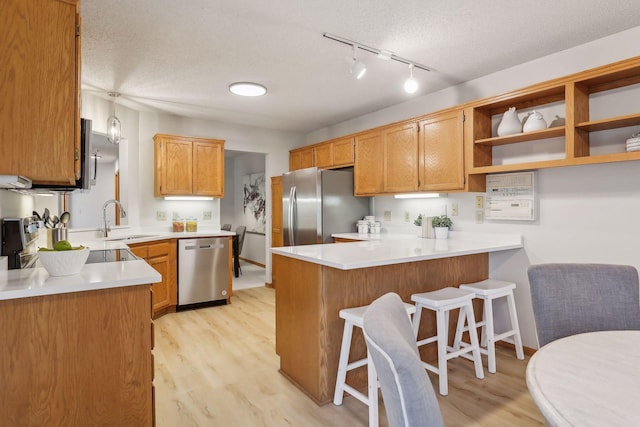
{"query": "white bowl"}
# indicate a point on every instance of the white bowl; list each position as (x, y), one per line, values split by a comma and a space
(63, 263)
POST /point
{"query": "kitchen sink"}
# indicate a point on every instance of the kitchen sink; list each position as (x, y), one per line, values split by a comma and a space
(130, 237)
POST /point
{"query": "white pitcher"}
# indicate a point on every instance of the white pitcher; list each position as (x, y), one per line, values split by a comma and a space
(510, 124)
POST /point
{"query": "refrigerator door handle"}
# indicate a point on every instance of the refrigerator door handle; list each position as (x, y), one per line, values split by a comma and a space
(292, 201)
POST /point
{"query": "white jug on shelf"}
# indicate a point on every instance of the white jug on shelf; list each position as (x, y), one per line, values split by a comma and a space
(510, 124)
(535, 121)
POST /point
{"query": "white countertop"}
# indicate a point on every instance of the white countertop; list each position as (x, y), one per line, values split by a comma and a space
(383, 249)
(588, 379)
(36, 281)
(32, 282)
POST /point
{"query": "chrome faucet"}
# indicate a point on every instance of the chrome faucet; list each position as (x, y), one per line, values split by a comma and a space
(123, 213)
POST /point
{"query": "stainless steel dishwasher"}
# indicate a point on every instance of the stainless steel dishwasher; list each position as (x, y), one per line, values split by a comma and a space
(203, 272)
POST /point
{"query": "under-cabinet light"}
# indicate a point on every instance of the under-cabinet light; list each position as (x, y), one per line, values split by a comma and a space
(187, 198)
(417, 196)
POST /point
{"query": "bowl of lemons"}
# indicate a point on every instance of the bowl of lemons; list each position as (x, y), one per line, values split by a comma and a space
(64, 259)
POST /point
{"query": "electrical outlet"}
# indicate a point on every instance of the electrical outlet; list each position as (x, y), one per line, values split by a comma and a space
(407, 216)
(206, 215)
(387, 215)
(176, 215)
(161, 215)
(479, 202)
(454, 209)
(479, 217)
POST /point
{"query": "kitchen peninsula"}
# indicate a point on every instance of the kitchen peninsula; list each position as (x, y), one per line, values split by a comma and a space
(314, 282)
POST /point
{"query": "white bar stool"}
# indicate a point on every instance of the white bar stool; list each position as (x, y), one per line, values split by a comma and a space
(354, 317)
(489, 290)
(442, 302)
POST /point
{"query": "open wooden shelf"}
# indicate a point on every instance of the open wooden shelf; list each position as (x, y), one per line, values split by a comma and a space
(523, 137)
(576, 92)
(611, 123)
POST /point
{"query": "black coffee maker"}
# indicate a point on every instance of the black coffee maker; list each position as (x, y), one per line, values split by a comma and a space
(19, 237)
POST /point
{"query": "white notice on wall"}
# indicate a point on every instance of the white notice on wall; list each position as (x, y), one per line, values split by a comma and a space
(510, 196)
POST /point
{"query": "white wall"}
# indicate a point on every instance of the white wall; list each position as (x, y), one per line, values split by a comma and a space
(586, 213)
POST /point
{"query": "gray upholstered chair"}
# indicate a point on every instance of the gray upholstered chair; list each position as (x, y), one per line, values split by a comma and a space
(570, 299)
(408, 395)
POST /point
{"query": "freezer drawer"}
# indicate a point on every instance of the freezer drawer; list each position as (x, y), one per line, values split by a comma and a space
(203, 271)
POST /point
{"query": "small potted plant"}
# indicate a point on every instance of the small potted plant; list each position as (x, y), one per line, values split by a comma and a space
(418, 223)
(441, 225)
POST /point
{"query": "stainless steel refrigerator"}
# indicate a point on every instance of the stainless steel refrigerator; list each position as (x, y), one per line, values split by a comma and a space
(317, 203)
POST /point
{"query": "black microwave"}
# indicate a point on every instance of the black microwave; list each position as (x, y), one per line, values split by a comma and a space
(85, 163)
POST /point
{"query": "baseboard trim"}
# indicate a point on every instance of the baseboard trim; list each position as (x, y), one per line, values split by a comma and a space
(527, 350)
(253, 262)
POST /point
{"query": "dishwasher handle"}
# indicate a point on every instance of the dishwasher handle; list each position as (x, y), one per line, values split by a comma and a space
(204, 247)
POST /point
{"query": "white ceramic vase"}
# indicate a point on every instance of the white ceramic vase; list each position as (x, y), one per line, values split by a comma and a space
(535, 121)
(510, 124)
(441, 232)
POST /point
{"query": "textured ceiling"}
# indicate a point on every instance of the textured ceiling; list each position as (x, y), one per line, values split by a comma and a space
(180, 56)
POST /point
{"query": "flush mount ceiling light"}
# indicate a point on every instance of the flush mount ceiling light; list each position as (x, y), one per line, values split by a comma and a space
(356, 67)
(382, 54)
(114, 127)
(247, 89)
(411, 84)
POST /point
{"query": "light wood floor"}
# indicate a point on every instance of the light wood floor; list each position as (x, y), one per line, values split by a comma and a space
(217, 367)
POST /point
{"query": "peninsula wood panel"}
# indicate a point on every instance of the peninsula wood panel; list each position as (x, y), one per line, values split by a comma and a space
(309, 329)
(80, 358)
(298, 322)
(39, 90)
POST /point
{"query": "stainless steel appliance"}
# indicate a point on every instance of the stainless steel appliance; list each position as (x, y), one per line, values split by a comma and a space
(19, 236)
(317, 203)
(203, 272)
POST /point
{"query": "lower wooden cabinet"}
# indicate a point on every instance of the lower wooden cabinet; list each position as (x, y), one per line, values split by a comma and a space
(161, 255)
(77, 359)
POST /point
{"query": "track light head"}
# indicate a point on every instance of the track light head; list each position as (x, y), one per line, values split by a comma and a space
(356, 67)
(411, 84)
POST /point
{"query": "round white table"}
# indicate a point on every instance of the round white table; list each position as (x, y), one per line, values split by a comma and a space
(590, 379)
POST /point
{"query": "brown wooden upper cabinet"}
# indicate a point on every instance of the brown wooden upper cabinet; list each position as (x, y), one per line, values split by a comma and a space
(386, 160)
(188, 166)
(334, 154)
(301, 158)
(39, 82)
(441, 152)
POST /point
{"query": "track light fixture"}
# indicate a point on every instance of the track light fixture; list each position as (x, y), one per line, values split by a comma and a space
(411, 84)
(114, 127)
(356, 67)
